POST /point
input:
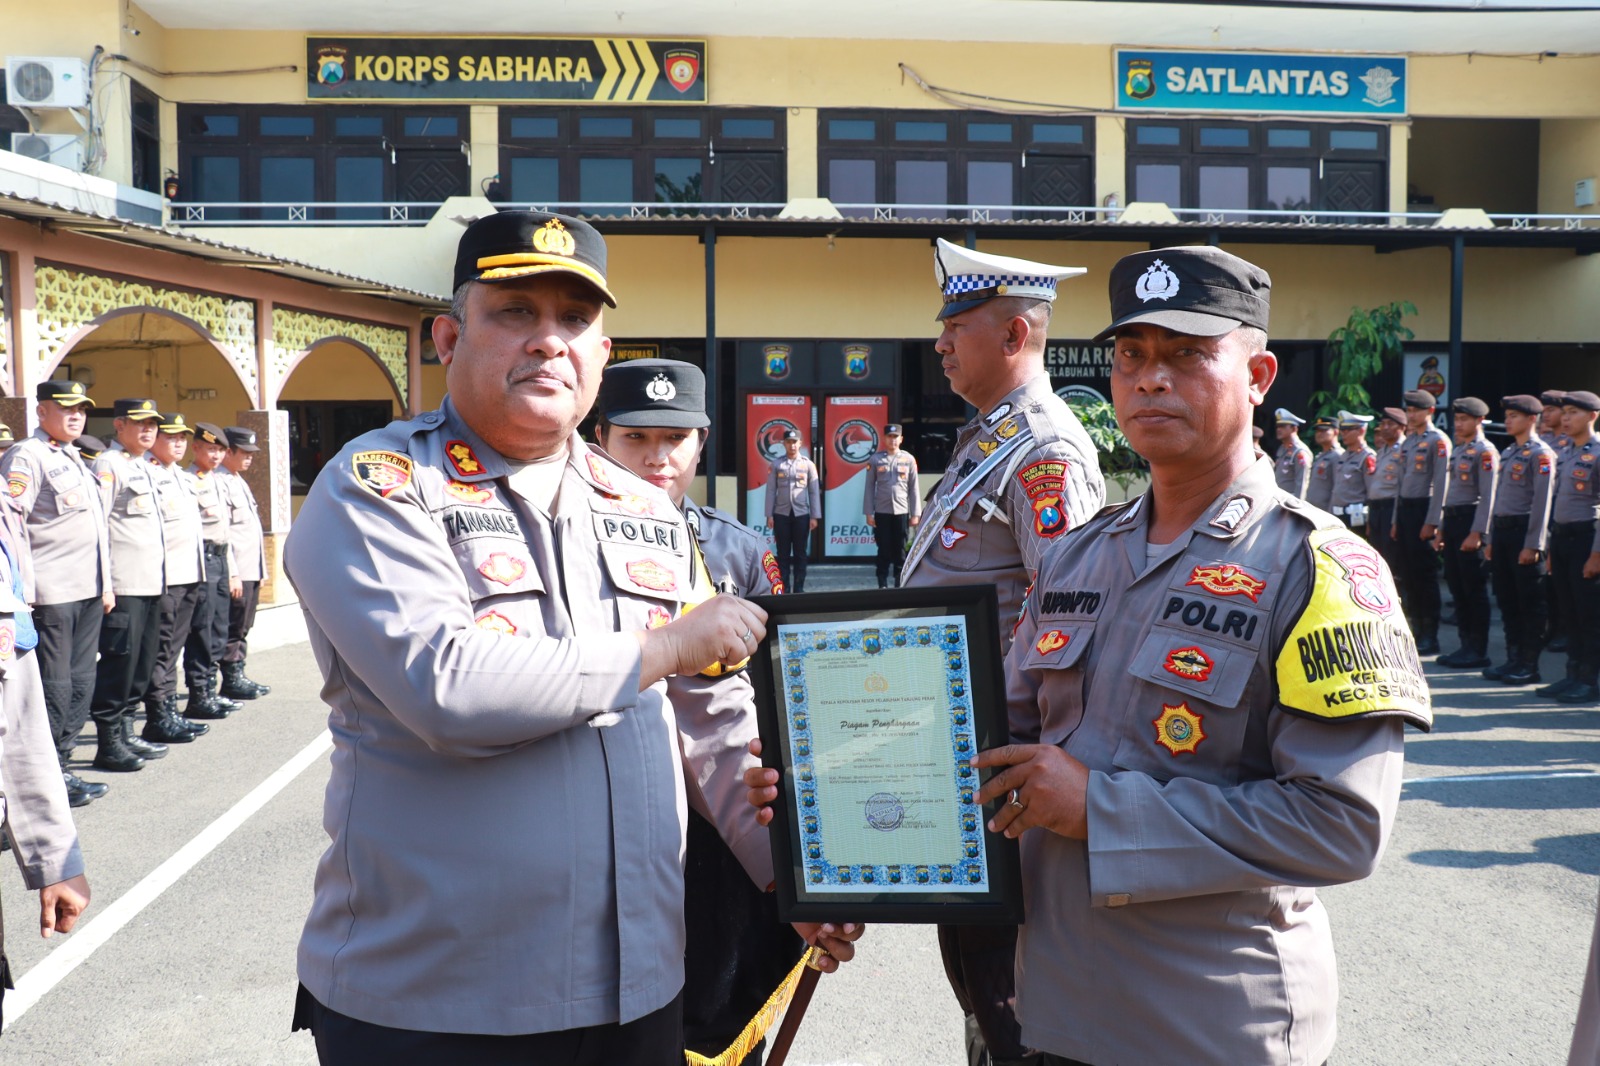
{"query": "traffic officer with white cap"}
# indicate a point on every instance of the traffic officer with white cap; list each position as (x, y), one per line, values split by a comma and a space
(246, 548)
(1022, 474)
(208, 627)
(1356, 465)
(1463, 529)
(186, 561)
(1426, 462)
(60, 499)
(892, 503)
(1575, 549)
(1199, 747)
(1319, 490)
(794, 507)
(1292, 469)
(1383, 487)
(1519, 537)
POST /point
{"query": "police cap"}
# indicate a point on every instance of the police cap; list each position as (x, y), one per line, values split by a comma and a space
(791, 434)
(137, 410)
(893, 430)
(1199, 291)
(1583, 400)
(967, 278)
(1470, 405)
(242, 439)
(175, 424)
(5, 434)
(1552, 397)
(89, 447)
(521, 244)
(1392, 414)
(210, 433)
(1528, 405)
(1351, 420)
(64, 392)
(653, 392)
(1285, 417)
(1421, 399)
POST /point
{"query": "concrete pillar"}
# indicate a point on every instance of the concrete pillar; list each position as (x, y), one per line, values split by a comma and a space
(1110, 159)
(802, 154)
(268, 478)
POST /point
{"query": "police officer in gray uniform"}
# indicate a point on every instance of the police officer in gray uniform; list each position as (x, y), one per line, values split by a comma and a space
(495, 664)
(208, 628)
(892, 503)
(131, 632)
(1426, 455)
(1319, 489)
(1575, 550)
(1519, 536)
(1551, 432)
(247, 550)
(1181, 680)
(1383, 487)
(60, 500)
(1292, 468)
(1463, 529)
(1356, 465)
(180, 523)
(794, 506)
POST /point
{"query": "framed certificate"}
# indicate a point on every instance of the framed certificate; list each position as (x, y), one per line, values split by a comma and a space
(870, 706)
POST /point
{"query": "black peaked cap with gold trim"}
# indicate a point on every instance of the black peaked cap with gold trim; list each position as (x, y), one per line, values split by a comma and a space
(521, 244)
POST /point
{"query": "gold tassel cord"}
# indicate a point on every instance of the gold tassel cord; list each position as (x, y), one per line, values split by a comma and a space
(756, 1028)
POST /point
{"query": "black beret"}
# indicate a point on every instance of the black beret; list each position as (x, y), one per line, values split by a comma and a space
(1471, 405)
(667, 393)
(1199, 291)
(1393, 414)
(1552, 397)
(1583, 400)
(520, 244)
(1421, 398)
(1528, 405)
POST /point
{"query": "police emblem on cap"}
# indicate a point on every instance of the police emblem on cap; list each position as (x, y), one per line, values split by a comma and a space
(661, 389)
(552, 238)
(1157, 283)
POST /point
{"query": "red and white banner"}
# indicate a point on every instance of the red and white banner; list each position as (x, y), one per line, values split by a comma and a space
(851, 428)
(767, 418)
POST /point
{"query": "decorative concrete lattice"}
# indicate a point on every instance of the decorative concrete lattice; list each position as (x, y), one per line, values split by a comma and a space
(67, 299)
(294, 333)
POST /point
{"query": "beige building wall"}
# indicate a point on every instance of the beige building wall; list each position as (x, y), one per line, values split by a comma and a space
(1569, 150)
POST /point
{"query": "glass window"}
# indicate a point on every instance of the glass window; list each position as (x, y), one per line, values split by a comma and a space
(357, 126)
(1225, 188)
(288, 126)
(605, 126)
(852, 129)
(1158, 183)
(287, 177)
(1288, 138)
(678, 181)
(852, 181)
(605, 180)
(921, 131)
(1353, 140)
(989, 183)
(430, 126)
(989, 132)
(1288, 188)
(535, 129)
(1158, 136)
(1224, 137)
(1058, 133)
(215, 179)
(535, 180)
(921, 181)
(764, 129)
(678, 128)
(218, 126)
(358, 179)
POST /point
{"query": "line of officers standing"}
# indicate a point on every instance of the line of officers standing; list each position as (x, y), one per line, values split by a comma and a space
(1522, 518)
(127, 559)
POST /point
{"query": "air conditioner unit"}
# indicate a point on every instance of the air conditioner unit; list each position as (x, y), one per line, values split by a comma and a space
(46, 81)
(62, 149)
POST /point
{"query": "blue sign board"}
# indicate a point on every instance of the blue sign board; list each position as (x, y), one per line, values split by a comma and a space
(1261, 83)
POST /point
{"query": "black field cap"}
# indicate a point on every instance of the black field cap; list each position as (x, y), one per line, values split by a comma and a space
(1203, 292)
(1552, 397)
(211, 433)
(243, 439)
(174, 423)
(653, 392)
(1421, 399)
(89, 447)
(137, 410)
(1471, 405)
(521, 244)
(1583, 400)
(1528, 405)
(1324, 422)
(791, 434)
(64, 392)
(892, 430)
(1393, 414)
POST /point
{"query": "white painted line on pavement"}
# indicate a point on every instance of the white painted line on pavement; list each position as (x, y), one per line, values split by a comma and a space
(1541, 775)
(79, 945)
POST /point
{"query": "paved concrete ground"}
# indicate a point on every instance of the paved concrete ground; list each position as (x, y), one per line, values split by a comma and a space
(1466, 947)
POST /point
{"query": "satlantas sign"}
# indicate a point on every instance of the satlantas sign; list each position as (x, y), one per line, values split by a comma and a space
(593, 70)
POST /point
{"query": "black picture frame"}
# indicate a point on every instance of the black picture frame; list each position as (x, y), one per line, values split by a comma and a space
(898, 892)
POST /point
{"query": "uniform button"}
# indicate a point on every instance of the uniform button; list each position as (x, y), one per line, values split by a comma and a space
(1118, 899)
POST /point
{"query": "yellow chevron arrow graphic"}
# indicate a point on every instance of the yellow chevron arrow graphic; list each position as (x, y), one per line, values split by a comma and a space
(630, 70)
(652, 69)
(613, 68)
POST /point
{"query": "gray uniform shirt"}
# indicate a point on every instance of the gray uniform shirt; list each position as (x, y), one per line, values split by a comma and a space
(892, 485)
(1235, 764)
(180, 522)
(494, 758)
(1577, 491)
(1384, 484)
(733, 551)
(793, 488)
(247, 558)
(1292, 470)
(996, 533)
(1527, 488)
(1350, 477)
(1319, 492)
(1426, 468)
(1474, 470)
(133, 515)
(60, 498)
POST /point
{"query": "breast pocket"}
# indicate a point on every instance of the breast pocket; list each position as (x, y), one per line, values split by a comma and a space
(140, 503)
(498, 568)
(1058, 654)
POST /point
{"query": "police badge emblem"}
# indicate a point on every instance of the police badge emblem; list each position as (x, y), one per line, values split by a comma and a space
(1141, 83)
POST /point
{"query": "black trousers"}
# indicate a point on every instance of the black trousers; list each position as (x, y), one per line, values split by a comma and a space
(889, 531)
(1419, 568)
(1519, 590)
(1468, 579)
(177, 616)
(69, 636)
(208, 628)
(793, 535)
(129, 637)
(1570, 544)
(654, 1040)
(1380, 519)
(241, 616)
(980, 962)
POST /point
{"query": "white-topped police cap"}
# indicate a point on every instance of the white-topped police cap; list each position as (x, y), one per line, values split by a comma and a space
(1351, 420)
(1285, 417)
(967, 278)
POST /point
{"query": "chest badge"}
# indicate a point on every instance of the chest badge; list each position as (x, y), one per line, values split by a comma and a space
(495, 622)
(987, 447)
(502, 568)
(1189, 663)
(468, 493)
(462, 457)
(1178, 729)
(384, 473)
(1052, 641)
(657, 617)
(649, 574)
(950, 537)
(1226, 579)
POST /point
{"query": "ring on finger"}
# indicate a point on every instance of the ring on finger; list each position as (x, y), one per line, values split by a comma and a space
(748, 634)
(1016, 802)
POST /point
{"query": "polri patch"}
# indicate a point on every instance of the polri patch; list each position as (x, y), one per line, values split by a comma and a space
(382, 473)
(17, 482)
(631, 530)
(1189, 663)
(463, 458)
(1227, 579)
(1178, 729)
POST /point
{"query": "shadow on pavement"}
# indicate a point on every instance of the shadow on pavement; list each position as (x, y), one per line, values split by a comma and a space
(1579, 853)
(1537, 754)
(1512, 794)
(1545, 716)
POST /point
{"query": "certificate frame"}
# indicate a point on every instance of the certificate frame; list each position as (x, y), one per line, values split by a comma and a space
(975, 876)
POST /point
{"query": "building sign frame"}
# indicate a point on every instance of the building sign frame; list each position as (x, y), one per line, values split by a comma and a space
(1275, 83)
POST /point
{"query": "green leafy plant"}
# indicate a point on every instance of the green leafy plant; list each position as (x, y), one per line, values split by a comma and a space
(1357, 351)
(1118, 461)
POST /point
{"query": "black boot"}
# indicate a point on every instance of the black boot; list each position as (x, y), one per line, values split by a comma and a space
(160, 729)
(77, 795)
(145, 749)
(194, 729)
(203, 705)
(227, 702)
(235, 686)
(112, 752)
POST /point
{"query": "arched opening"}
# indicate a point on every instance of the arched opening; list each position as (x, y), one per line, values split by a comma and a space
(337, 392)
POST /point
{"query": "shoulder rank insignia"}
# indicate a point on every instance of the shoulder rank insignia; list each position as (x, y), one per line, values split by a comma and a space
(598, 471)
(1178, 729)
(383, 473)
(1233, 512)
(462, 457)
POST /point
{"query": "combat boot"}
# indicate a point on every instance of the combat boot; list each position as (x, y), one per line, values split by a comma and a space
(77, 795)
(228, 704)
(169, 708)
(112, 752)
(145, 749)
(203, 705)
(161, 729)
(235, 686)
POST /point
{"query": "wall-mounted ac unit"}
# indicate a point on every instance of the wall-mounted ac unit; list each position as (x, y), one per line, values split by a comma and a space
(46, 81)
(62, 149)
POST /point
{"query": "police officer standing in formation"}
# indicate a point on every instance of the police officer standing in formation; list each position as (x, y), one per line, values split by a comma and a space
(794, 504)
(1356, 465)
(180, 522)
(7, 438)
(131, 632)
(1551, 432)
(1292, 468)
(207, 638)
(1575, 550)
(1264, 763)
(1319, 492)
(495, 656)
(1518, 537)
(893, 503)
(652, 420)
(1463, 529)
(66, 528)
(1426, 454)
(1022, 473)
(1383, 487)
(247, 550)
